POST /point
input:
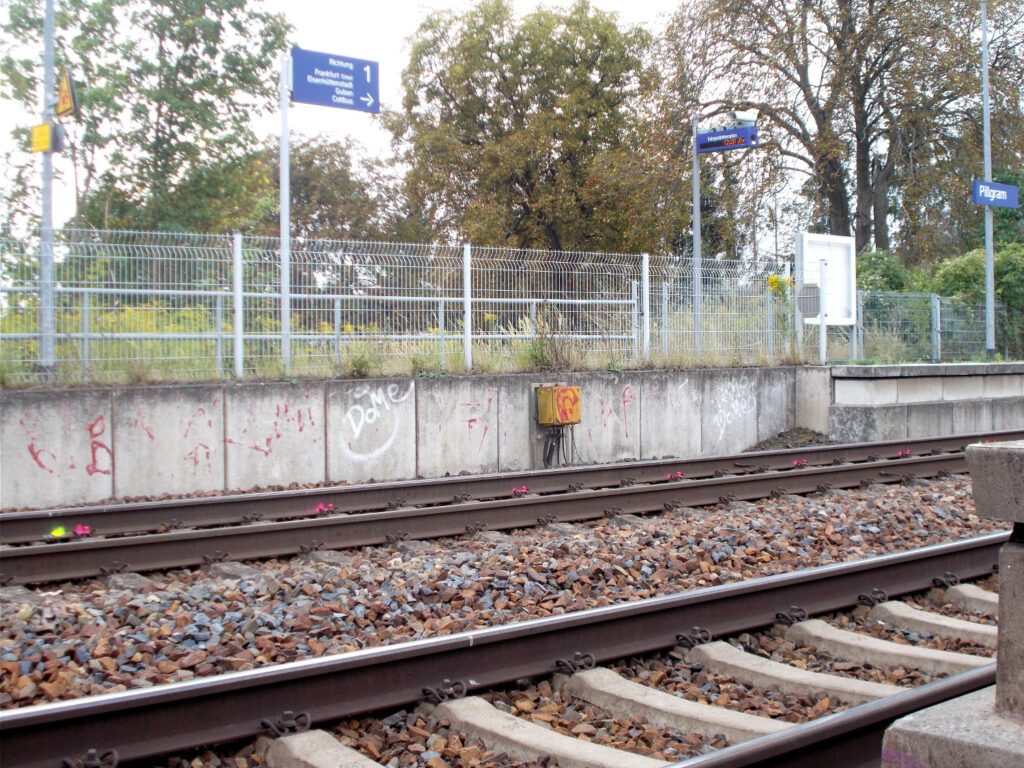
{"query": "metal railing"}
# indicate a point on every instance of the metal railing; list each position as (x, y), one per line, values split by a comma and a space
(139, 307)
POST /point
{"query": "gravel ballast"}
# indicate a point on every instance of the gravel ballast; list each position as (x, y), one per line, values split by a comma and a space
(91, 637)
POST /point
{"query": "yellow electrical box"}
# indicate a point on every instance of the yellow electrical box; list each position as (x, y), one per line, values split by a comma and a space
(558, 406)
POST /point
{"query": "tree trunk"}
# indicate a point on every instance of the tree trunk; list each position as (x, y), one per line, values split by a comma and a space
(862, 167)
(880, 195)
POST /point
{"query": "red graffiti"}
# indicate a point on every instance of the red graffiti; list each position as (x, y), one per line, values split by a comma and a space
(95, 446)
(37, 453)
(196, 458)
(142, 425)
(567, 404)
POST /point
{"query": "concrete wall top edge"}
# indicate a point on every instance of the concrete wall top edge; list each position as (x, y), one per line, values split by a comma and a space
(925, 369)
(537, 376)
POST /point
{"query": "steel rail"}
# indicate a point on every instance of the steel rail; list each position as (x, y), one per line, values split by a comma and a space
(176, 716)
(115, 519)
(90, 557)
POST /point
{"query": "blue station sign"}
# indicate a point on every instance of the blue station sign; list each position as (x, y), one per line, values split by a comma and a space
(739, 137)
(999, 195)
(330, 80)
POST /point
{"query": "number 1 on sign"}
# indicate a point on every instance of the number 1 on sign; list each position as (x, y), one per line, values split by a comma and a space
(367, 68)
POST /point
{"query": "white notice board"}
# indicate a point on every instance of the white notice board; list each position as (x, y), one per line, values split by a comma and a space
(840, 258)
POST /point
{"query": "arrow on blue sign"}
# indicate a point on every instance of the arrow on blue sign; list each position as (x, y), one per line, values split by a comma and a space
(999, 195)
(331, 80)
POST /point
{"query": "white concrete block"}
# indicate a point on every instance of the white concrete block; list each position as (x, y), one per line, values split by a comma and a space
(1004, 385)
(457, 426)
(963, 387)
(169, 440)
(729, 412)
(609, 429)
(274, 434)
(813, 398)
(776, 401)
(865, 391)
(919, 390)
(670, 414)
(56, 448)
(516, 423)
(371, 430)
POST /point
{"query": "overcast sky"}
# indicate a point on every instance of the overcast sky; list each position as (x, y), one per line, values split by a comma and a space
(377, 30)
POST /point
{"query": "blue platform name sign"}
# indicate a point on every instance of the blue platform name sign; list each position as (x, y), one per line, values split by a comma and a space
(330, 80)
(740, 137)
(1000, 195)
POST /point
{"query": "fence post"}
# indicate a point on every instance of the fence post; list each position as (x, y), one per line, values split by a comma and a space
(218, 318)
(645, 292)
(337, 332)
(239, 302)
(770, 325)
(440, 330)
(859, 326)
(664, 318)
(467, 308)
(634, 319)
(936, 329)
(822, 315)
(791, 292)
(85, 335)
(286, 304)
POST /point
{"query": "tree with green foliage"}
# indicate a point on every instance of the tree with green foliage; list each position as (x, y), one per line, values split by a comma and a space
(165, 87)
(963, 278)
(525, 132)
(874, 102)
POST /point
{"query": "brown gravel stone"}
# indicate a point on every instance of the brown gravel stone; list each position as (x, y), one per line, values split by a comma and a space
(373, 596)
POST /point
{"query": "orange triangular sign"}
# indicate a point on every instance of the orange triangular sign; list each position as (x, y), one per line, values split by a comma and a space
(67, 103)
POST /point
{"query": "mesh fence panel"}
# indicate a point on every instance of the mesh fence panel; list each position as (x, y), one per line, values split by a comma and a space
(744, 315)
(142, 306)
(127, 306)
(355, 307)
(562, 309)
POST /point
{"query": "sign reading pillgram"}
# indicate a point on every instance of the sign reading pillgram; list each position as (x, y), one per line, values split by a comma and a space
(999, 195)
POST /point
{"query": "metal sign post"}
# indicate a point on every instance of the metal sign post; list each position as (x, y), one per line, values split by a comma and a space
(327, 80)
(990, 283)
(740, 136)
(46, 286)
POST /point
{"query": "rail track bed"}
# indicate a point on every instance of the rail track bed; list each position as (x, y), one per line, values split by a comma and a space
(41, 545)
(368, 628)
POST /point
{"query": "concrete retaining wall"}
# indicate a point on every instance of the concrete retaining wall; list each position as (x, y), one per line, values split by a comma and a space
(65, 447)
(895, 402)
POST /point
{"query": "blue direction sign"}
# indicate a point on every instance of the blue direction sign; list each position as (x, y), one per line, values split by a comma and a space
(330, 80)
(1000, 195)
(739, 137)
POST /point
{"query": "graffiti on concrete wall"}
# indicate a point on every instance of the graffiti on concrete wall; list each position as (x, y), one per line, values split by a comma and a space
(734, 399)
(373, 407)
(476, 415)
(55, 454)
(615, 411)
(261, 431)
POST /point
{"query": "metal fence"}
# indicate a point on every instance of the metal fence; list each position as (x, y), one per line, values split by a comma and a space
(895, 327)
(139, 307)
(135, 307)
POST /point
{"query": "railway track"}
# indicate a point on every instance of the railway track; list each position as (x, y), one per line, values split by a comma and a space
(170, 718)
(193, 531)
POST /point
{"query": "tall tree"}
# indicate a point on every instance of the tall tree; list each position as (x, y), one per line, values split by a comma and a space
(521, 132)
(176, 91)
(871, 100)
